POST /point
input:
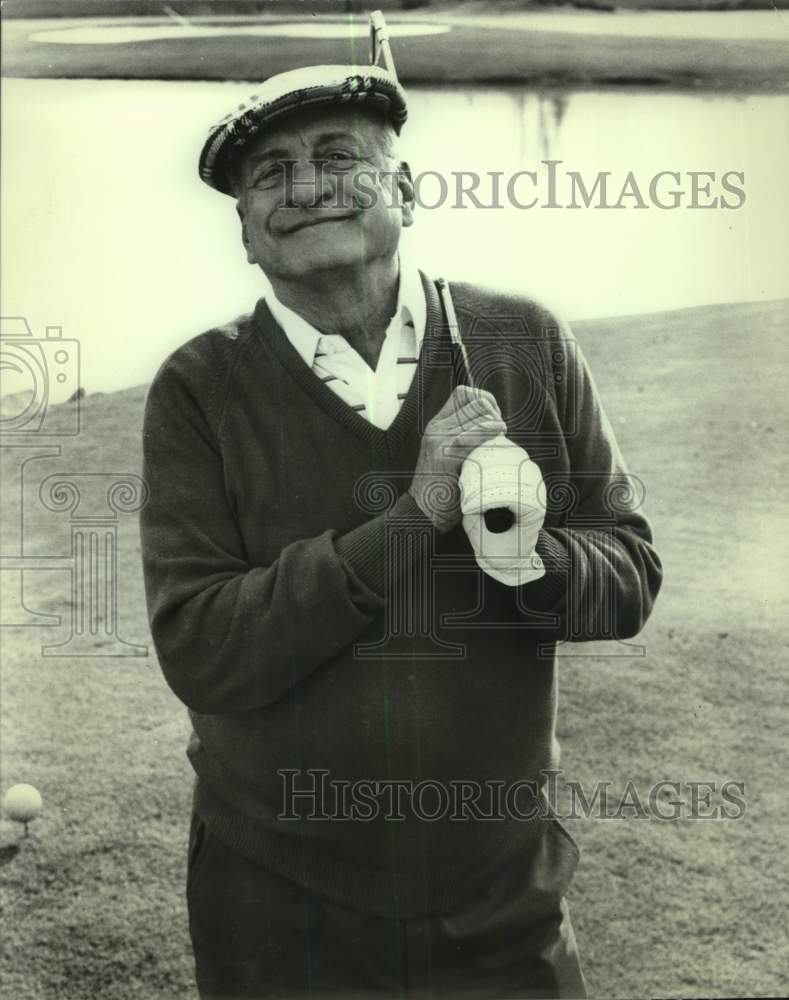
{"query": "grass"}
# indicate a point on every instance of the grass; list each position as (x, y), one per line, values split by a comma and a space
(93, 899)
(476, 49)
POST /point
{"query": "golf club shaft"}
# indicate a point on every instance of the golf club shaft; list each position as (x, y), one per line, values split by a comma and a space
(454, 326)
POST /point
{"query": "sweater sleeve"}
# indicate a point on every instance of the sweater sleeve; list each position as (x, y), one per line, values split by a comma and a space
(602, 571)
(231, 636)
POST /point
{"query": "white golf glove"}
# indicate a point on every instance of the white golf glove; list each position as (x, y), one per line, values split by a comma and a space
(500, 474)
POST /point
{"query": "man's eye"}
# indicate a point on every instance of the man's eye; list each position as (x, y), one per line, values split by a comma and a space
(268, 176)
(340, 156)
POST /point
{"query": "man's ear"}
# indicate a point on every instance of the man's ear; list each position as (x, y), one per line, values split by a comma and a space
(245, 235)
(405, 185)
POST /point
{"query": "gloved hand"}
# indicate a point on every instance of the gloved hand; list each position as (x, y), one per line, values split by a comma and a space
(499, 476)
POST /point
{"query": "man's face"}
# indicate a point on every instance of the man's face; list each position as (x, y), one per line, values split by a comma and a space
(311, 196)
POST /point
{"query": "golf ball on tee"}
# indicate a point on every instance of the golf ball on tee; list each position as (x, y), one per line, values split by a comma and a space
(22, 803)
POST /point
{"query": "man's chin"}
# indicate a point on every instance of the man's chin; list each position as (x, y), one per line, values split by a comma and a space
(318, 255)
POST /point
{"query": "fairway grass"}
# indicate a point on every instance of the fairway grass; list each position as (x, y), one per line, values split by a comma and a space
(93, 899)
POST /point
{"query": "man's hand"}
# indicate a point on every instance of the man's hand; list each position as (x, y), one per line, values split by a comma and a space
(469, 418)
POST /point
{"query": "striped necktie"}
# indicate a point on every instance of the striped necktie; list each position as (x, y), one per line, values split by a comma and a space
(376, 396)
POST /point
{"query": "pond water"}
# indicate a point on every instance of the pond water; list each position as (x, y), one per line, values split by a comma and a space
(108, 233)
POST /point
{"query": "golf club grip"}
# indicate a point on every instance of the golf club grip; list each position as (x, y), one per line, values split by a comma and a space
(380, 42)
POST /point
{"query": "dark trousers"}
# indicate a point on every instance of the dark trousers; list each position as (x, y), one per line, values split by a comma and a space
(255, 934)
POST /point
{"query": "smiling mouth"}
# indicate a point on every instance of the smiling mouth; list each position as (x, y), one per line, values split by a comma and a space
(319, 222)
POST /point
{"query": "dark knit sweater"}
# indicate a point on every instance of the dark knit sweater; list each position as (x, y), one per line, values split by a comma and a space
(280, 546)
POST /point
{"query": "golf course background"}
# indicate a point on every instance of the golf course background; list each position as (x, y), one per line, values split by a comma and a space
(93, 899)
(130, 254)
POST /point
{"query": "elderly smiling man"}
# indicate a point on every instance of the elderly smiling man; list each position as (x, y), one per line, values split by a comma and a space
(373, 701)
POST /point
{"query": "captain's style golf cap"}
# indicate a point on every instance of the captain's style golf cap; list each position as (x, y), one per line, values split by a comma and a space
(372, 87)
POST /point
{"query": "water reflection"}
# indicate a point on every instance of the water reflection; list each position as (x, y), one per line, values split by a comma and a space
(108, 233)
(551, 113)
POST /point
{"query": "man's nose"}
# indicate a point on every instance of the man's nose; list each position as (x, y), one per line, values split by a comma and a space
(307, 183)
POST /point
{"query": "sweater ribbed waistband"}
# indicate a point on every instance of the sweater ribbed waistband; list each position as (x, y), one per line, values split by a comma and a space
(428, 889)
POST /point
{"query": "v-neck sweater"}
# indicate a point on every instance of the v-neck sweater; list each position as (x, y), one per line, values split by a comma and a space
(312, 621)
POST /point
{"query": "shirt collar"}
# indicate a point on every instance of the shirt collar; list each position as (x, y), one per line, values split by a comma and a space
(299, 332)
(410, 305)
(411, 298)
